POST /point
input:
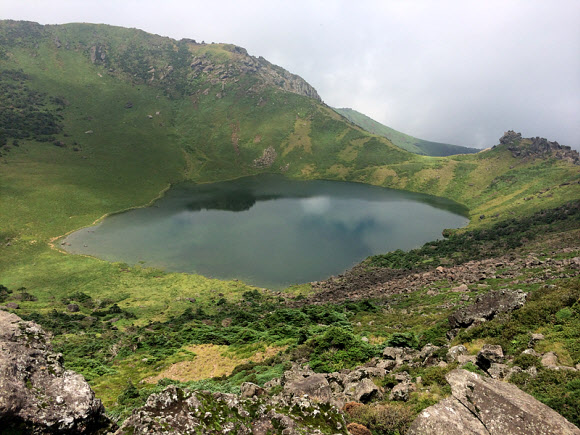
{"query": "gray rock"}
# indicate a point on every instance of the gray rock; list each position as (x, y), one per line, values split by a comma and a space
(363, 391)
(387, 364)
(498, 371)
(464, 359)
(505, 409)
(73, 308)
(37, 393)
(550, 360)
(316, 387)
(447, 417)
(402, 377)
(426, 355)
(401, 392)
(295, 373)
(12, 305)
(400, 355)
(487, 307)
(454, 352)
(510, 136)
(248, 389)
(392, 353)
(531, 352)
(489, 354)
(490, 407)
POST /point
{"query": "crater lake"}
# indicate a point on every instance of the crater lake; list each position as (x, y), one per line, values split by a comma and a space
(267, 230)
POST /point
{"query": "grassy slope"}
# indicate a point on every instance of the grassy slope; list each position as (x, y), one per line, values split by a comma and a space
(409, 143)
(129, 159)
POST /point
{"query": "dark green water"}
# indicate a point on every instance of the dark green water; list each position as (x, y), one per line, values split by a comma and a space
(267, 230)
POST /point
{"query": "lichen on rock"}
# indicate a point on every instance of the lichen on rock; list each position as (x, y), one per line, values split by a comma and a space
(37, 394)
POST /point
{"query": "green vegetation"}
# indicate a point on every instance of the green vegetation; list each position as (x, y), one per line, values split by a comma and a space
(483, 243)
(402, 140)
(132, 113)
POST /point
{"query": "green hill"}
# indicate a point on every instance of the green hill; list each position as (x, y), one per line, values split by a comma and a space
(402, 140)
(96, 119)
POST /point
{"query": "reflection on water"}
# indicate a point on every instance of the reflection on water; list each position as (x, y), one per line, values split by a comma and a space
(267, 230)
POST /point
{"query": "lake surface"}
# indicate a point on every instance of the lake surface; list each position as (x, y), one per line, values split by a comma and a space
(267, 230)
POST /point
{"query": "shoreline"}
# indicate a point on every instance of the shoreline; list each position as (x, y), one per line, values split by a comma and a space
(52, 241)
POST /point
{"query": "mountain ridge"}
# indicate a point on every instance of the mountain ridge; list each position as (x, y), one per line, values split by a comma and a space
(402, 140)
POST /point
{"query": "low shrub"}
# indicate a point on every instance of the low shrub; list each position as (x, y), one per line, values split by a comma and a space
(403, 339)
(391, 418)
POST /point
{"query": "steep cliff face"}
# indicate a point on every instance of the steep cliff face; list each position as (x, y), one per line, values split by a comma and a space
(37, 395)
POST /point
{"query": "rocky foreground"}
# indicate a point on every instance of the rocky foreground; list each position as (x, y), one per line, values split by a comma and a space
(38, 396)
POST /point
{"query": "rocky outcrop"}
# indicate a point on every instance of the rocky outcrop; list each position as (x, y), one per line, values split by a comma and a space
(177, 410)
(37, 394)
(488, 306)
(487, 406)
(538, 147)
(267, 159)
(510, 137)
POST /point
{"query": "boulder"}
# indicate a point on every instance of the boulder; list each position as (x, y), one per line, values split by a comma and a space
(249, 389)
(387, 364)
(296, 372)
(510, 136)
(531, 352)
(499, 371)
(447, 417)
(400, 355)
(454, 352)
(487, 307)
(363, 391)
(73, 308)
(464, 359)
(489, 354)
(316, 387)
(550, 360)
(401, 392)
(392, 353)
(37, 394)
(427, 355)
(460, 288)
(503, 408)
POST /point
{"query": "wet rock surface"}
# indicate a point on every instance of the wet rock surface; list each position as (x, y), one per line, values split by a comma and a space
(37, 395)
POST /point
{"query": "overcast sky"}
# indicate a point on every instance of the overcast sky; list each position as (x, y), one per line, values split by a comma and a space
(460, 72)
